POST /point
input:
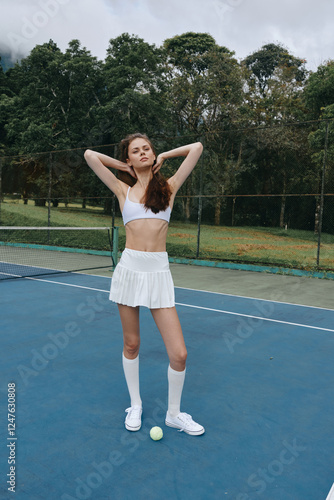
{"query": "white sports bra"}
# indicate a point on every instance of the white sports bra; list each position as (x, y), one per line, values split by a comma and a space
(133, 211)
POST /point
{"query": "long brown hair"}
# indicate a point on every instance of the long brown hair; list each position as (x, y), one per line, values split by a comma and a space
(158, 192)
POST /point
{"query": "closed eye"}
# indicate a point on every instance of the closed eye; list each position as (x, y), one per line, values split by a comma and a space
(136, 150)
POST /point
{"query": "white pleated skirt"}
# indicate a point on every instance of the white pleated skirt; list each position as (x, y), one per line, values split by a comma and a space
(143, 279)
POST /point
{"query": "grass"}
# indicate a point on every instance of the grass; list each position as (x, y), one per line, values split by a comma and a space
(271, 246)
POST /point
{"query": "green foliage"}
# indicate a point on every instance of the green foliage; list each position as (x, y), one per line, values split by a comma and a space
(263, 64)
(319, 90)
(188, 89)
(317, 141)
(189, 51)
(319, 97)
(131, 63)
(204, 81)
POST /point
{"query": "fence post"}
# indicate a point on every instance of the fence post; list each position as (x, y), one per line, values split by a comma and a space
(49, 195)
(322, 193)
(233, 210)
(199, 218)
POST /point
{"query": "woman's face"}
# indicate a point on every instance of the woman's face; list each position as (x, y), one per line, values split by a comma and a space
(140, 153)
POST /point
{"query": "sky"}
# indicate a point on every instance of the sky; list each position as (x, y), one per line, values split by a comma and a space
(304, 27)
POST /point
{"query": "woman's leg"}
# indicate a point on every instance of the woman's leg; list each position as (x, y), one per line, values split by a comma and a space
(169, 326)
(131, 333)
(168, 323)
(130, 359)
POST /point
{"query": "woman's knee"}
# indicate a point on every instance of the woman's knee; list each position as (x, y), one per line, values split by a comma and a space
(183, 355)
(178, 359)
(131, 347)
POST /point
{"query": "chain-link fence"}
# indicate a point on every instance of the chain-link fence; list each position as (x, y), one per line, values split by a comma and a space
(258, 195)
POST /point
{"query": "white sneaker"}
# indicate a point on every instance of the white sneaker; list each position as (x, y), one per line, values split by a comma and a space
(185, 423)
(133, 418)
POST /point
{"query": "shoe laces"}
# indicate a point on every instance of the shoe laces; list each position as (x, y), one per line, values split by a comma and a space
(185, 419)
(134, 412)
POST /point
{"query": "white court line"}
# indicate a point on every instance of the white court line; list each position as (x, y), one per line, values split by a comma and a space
(254, 298)
(331, 494)
(257, 317)
(193, 290)
(197, 307)
(67, 284)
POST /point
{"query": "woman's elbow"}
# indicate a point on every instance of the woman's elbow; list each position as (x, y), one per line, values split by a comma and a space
(199, 146)
(87, 153)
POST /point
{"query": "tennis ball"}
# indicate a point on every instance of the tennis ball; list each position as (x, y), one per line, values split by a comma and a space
(156, 433)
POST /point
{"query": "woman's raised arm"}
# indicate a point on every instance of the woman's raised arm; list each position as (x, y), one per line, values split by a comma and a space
(192, 152)
(99, 162)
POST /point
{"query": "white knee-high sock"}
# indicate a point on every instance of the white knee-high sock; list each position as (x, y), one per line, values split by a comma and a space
(175, 387)
(131, 372)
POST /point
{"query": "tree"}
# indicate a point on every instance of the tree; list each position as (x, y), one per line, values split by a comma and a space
(203, 80)
(4, 90)
(319, 90)
(204, 89)
(131, 64)
(322, 147)
(134, 87)
(263, 63)
(319, 99)
(190, 52)
(274, 84)
(49, 111)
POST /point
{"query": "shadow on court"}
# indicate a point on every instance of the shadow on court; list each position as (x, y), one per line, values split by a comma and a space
(259, 378)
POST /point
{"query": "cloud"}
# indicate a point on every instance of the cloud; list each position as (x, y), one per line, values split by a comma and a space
(305, 27)
(26, 24)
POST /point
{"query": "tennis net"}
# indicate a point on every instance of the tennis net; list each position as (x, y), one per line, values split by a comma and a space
(35, 251)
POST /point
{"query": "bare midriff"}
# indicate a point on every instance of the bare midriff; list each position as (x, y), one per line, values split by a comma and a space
(146, 235)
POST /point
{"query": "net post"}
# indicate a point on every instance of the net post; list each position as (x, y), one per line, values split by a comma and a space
(322, 194)
(114, 252)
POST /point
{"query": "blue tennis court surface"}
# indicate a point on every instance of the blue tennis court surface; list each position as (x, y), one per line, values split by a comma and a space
(259, 378)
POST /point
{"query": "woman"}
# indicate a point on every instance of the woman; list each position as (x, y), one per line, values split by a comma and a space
(142, 276)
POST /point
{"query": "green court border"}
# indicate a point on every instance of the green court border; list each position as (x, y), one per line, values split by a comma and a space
(194, 262)
(254, 268)
(58, 249)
